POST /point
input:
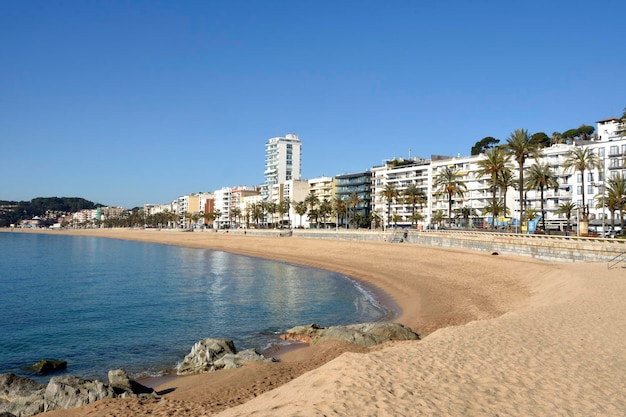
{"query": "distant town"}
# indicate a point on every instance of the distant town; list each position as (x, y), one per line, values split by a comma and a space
(570, 179)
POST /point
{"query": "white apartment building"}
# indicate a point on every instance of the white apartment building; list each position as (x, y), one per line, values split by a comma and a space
(222, 206)
(399, 173)
(607, 144)
(282, 163)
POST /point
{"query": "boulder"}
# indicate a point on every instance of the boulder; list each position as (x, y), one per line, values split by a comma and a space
(126, 387)
(364, 334)
(20, 396)
(69, 391)
(209, 355)
(45, 366)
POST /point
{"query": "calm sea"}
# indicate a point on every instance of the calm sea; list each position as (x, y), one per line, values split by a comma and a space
(102, 304)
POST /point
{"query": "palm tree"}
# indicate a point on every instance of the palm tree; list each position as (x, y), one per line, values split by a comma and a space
(448, 182)
(235, 213)
(438, 217)
(566, 209)
(301, 208)
(217, 213)
(414, 196)
(389, 193)
(208, 218)
(495, 164)
(312, 200)
(283, 207)
(256, 212)
(505, 181)
(326, 208)
(582, 159)
(353, 202)
(521, 147)
(339, 207)
(616, 191)
(541, 177)
(271, 208)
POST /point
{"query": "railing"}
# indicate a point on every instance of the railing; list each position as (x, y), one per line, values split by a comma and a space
(613, 262)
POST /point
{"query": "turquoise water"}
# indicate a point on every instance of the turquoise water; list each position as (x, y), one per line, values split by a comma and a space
(102, 304)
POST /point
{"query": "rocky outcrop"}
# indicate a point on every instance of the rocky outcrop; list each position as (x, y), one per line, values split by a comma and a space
(209, 355)
(364, 334)
(70, 391)
(23, 397)
(20, 396)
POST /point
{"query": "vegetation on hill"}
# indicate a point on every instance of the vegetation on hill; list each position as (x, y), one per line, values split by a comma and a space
(47, 208)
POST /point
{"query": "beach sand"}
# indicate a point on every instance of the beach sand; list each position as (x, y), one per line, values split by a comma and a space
(502, 336)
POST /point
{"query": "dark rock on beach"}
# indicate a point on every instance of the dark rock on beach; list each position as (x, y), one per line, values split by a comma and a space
(364, 334)
(46, 366)
(126, 387)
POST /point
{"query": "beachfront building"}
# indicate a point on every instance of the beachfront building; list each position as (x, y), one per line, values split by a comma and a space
(282, 163)
(222, 207)
(294, 191)
(398, 174)
(240, 198)
(355, 192)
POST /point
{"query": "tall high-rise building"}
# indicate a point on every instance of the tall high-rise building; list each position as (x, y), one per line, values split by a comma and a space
(282, 162)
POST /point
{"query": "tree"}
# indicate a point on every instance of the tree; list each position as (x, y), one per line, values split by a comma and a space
(353, 202)
(235, 213)
(218, 214)
(340, 209)
(557, 138)
(521, 147)
(616, 191)
(325, 209)
(208, 218)
(505, 181)
(271, 208)
(414, 196)
(541, 139)
(566, 209)
(312, 200)
(495, 163)
(389, 193)
(301, 209)
(582, 159)
(483, 145)
(541, 177)
(448, 182)
(283, 207)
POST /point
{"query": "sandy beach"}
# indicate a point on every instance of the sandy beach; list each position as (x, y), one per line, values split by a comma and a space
(501, 336)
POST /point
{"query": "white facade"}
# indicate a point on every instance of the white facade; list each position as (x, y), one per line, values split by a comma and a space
(296, 191)
(282, 162)
(222, 206)
(414, 171)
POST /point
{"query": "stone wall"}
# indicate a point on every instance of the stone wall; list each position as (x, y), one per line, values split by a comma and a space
(544, 247)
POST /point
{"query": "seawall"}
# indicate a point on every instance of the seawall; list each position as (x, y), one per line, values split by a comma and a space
(544, 247)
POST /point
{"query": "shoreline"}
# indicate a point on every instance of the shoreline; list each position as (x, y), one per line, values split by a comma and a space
(500, 334)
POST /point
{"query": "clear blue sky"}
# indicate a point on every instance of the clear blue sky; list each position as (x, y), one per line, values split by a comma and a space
(133, 102)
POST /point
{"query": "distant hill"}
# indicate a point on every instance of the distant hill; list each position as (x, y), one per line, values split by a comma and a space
(47, 208)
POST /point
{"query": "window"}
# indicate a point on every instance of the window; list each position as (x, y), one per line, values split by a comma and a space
(590, 189)
(613, 150)
(579, 189)
(590, 176)
(579, 177)
(601, 152)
